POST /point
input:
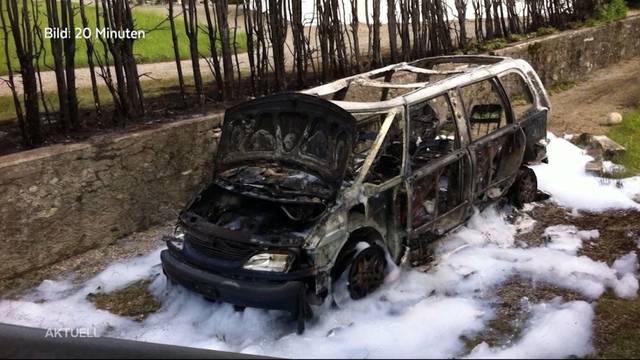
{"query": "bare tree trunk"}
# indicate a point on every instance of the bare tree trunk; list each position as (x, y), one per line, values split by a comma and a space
(104, 61)
(39, 53)
(377, 54)
(248, 24)
(189, 13)
(90, 56)
(477, 11)
(59, 69)
(22, 32)
(176, 50)
(117, 16)
(69, 62)
(392, 25)
(323, 30)
(212, 33)
(11, 82)
(488, 20)
(418, 40)
(405, 36)
(297, 30)
(278, 35)
(222, 12)
(461, 7)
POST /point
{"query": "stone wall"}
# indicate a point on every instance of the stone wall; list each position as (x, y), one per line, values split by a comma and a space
(570, 56)
(62, 200)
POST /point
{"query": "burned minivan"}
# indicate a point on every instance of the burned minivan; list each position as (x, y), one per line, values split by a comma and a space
(337, 181)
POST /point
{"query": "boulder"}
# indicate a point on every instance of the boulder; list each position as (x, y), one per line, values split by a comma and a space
(614, 118)
(609, 147)
(583, 140)
(598, 146)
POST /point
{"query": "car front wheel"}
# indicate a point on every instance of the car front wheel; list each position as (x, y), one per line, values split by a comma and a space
(367, 272)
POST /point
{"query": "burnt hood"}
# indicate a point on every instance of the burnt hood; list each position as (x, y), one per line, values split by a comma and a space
(290, 130)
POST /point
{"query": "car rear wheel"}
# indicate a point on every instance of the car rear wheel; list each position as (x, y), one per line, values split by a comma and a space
(525, 188)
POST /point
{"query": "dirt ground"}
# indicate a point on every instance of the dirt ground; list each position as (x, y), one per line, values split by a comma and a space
(82, 267)
(585, 106)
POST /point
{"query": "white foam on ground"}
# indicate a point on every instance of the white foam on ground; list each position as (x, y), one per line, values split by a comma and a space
(568, 238)
(565, 178)
(543, 337)
(414, 314)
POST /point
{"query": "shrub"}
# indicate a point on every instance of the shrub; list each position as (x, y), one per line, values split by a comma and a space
(612, 11)
(546, 30)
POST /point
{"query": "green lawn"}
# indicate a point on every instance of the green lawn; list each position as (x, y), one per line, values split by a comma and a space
(156, 47)
(628, 135)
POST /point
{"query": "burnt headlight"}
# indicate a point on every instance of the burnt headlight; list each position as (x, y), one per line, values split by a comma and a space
(177, 240)
(178, 233)
(272, 262)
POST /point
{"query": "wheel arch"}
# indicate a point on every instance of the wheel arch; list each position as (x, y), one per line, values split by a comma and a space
(368, 234)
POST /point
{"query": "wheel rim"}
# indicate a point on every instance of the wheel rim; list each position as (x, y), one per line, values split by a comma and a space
(528, 186)
(366, 273)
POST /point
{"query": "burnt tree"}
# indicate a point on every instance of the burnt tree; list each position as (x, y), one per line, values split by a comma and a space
(19, 24)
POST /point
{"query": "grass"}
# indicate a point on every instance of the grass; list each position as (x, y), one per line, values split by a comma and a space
(627, 134)
(475, 47)
(617, 330)
(155, 47)
(546, 30)
(134, 301)
(561, 86)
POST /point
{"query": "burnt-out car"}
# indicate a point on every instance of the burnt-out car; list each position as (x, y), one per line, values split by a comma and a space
(336, 181)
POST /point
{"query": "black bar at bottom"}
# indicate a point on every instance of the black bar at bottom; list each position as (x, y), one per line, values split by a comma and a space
(26, 343)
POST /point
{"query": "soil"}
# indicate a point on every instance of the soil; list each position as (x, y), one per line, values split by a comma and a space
(585, 106)
(619, 230)
(513, 300)
(616, 323)
(82, 267)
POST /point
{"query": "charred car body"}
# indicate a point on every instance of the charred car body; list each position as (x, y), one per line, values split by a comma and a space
(336, 181)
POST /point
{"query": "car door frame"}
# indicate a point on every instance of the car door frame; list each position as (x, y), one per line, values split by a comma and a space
(464, 208)
(534, 124)
(395, 184)
(512, 128)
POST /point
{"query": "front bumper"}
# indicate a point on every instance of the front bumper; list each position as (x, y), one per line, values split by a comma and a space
(287, 296)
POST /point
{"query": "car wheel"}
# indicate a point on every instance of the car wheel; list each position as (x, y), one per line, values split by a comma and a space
(525, 188)
(367, 272)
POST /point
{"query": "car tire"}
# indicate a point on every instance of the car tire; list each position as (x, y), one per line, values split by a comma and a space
(525, 188)
(360, 272)
(366, 272)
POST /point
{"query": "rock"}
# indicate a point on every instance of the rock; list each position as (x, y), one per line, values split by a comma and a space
(594, 167)
(598, 146)
(595, 153)
(583, 140)
(614, 118)
(609, 147)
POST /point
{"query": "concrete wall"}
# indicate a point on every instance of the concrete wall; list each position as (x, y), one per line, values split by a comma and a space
(570, 56)
(62, 200)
